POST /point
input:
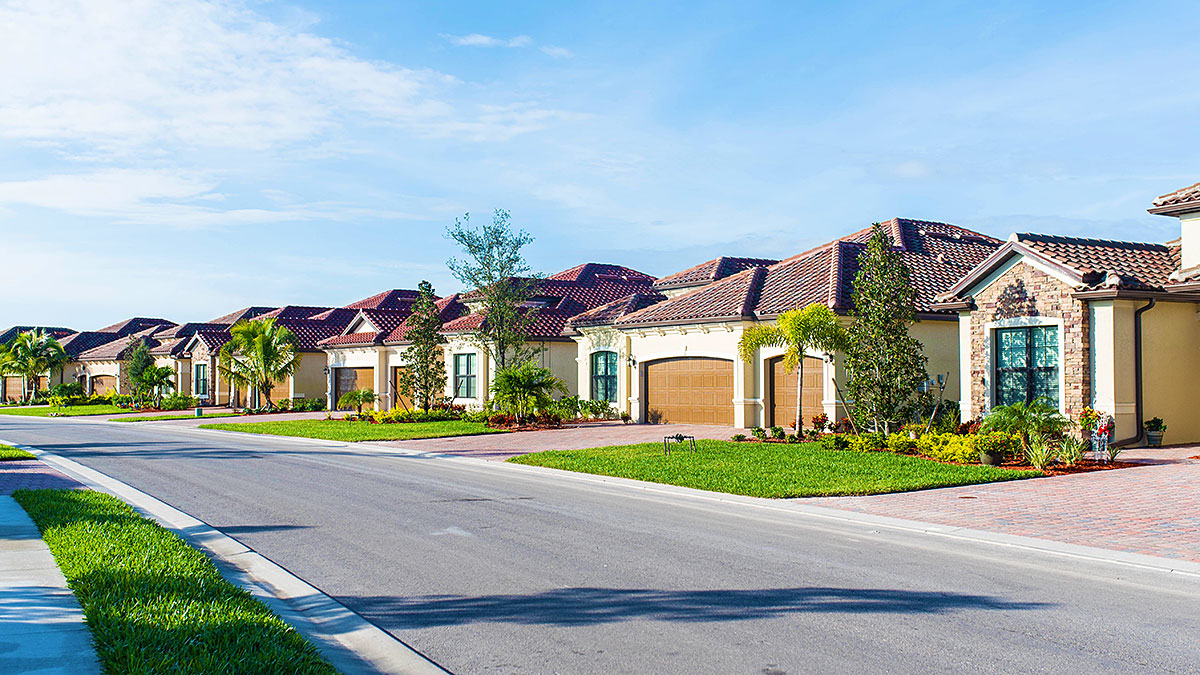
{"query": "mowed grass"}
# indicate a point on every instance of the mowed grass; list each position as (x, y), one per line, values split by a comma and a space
(67, 411)
(770, 469)
(153, 603)
(159, 418)
(336, 430)
(8, 452)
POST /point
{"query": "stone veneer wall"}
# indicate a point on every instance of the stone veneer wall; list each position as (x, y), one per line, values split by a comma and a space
(1026, 291)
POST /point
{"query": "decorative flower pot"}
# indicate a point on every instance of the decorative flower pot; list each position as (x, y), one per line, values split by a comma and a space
(1154, 438)
(991, 458)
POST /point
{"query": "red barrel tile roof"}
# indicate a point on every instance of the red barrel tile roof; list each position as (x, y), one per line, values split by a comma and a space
(710, 271)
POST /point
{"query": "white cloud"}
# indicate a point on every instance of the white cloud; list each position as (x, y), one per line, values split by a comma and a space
(557, 52)
(478, 40)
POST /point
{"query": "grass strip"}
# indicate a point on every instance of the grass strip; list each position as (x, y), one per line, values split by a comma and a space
(8, 452)
(336, 430)
(153, 603)
(68, 411)
(771, 469)
(159, 418)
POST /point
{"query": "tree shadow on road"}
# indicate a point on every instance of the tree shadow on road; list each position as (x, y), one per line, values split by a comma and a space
(586, 606)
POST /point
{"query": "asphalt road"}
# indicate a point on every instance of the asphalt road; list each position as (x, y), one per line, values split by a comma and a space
(495, 569)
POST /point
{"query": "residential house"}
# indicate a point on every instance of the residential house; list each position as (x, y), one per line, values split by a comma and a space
(11, 387)
(671, 356)
(557, 299)
(102, 370)
(172, 350)
(1088, 322)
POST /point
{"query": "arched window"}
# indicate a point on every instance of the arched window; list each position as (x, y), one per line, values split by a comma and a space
(604, 376)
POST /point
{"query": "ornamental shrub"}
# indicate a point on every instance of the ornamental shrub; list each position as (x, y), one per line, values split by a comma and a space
(997, 441)
(901, 444)
(778, 433)
(759, 433)
(949, 448)
(868, 442)
(738, 438)
(834, 442)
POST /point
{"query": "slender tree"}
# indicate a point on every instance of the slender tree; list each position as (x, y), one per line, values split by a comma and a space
(423, 376)
(497, 274)
(155, 379)
(885, 362)
(259, 354)
(29, 355)
(813, 328)
(136, 364)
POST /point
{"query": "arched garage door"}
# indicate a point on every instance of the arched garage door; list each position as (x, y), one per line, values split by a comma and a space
(690, 391)
(104, 384)
(783, 392)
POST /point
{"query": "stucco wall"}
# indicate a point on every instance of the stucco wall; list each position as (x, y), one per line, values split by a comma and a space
(1170, 363)
(1021, 293)
(93, 368)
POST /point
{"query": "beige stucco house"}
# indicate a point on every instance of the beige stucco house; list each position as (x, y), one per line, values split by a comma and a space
(1088, 322)
(101, 369)
(674, 348)
(12, 387)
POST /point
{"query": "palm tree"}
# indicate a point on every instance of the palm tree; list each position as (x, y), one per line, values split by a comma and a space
(29, 355)
(156, 378)
(259, 354)
(813, 328)
(357, 398)
(1029, 421)
(525, 389)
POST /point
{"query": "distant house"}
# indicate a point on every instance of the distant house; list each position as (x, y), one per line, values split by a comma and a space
(11, 387)
(670, 353)
(102, 369)
(1088, 322)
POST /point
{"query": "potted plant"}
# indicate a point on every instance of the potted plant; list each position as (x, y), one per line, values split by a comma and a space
(1155, 428)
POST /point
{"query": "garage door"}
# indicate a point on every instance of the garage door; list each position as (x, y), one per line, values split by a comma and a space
(349, 379)
(280, 391)
(399, 400)
(13, 389)
(783, 393)
(103, 384)
(689, 391)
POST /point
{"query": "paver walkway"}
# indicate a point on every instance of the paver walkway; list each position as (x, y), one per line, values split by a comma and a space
(1152, 509)
(41, 624)
(30, 474)
(593, 435)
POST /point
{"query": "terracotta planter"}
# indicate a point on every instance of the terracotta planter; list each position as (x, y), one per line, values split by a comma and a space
(1154, 438)
(995, 458)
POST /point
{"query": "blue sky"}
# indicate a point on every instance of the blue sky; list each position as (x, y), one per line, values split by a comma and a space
(184, 158)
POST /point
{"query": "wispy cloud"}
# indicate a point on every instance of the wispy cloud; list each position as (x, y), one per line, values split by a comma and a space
(478, 40)
(557, 52)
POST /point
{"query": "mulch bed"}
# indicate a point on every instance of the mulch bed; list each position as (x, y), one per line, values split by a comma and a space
(1082, 466)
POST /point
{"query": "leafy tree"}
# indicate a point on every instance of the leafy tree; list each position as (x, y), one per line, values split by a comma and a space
(259, 354)
(157, 378)
(137, 362)
(1031, 421)
(493, 269)
(525, 389)
(29, 355)
(885, 363)
(813, 328)
(423, 376)
(356, 398)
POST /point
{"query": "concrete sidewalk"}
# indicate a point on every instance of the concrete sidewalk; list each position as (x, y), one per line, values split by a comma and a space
(41, 624)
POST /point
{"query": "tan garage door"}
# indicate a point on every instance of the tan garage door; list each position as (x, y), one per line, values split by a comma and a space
(280, 391)
(349, 379)
(689, 391)
(13, 387)
(399, 400)
(783, 393)
(103, 384)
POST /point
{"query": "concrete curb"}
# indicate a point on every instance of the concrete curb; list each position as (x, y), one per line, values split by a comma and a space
(350, 642)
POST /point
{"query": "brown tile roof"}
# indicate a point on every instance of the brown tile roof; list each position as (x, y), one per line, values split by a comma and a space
(57, 333)
(117, 349)
(710, 271)
(293, 312)
(1107, 264)
(339, 314)
(607, 313)
(398, 298)
(78, 343)
(568, 294)
(449, 308)
(937, 254)
(1177, 200)
(135, 325)
(243, 313)
(384, 321)
(310, 332)
(213, 339)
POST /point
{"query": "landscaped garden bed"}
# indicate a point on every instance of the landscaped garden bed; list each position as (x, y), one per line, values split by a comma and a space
(153, 603)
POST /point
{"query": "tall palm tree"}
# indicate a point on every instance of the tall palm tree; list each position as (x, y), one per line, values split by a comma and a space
(259, 354)
(29, 355)
(813, 328)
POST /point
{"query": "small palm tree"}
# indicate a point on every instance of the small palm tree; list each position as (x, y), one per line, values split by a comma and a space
(1029, 421)
(157, 378)
(29, 355)
(813, 328)
(259, 354)
(525, 389)
(356, 399)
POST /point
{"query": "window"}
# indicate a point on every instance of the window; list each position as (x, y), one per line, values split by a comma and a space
(464, 376)
(200, 384)
(1027, 365)
(604, 376)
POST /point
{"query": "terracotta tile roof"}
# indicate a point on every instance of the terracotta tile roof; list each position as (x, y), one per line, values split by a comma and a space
(449, 308)
(77, 343)
(398, 298)
(1104, 263)
(384, 321)
(243, 313)
(213, 340)
(169, 346)
(568, 294)
(340, 314)
(57, 333)
(116, 349)
(1172, 201)
(310, 332)
(293, 312)
(135, 325)
(607, 313)
(937, 254)
(710, 271)
(187, 329)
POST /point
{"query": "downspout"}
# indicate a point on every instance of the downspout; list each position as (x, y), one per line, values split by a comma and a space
(1137, 375)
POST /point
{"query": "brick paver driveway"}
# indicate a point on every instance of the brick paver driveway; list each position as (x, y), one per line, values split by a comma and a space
(597, 434)
(30, 474)
(1152, 509)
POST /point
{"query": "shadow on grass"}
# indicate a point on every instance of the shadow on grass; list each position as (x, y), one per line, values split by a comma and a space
(587, 606)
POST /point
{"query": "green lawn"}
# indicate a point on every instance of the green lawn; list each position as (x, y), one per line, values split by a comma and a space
(8, 452)
(69, 411)
(335, 430)
(771, 469)
(159, 418)
(153, 603)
